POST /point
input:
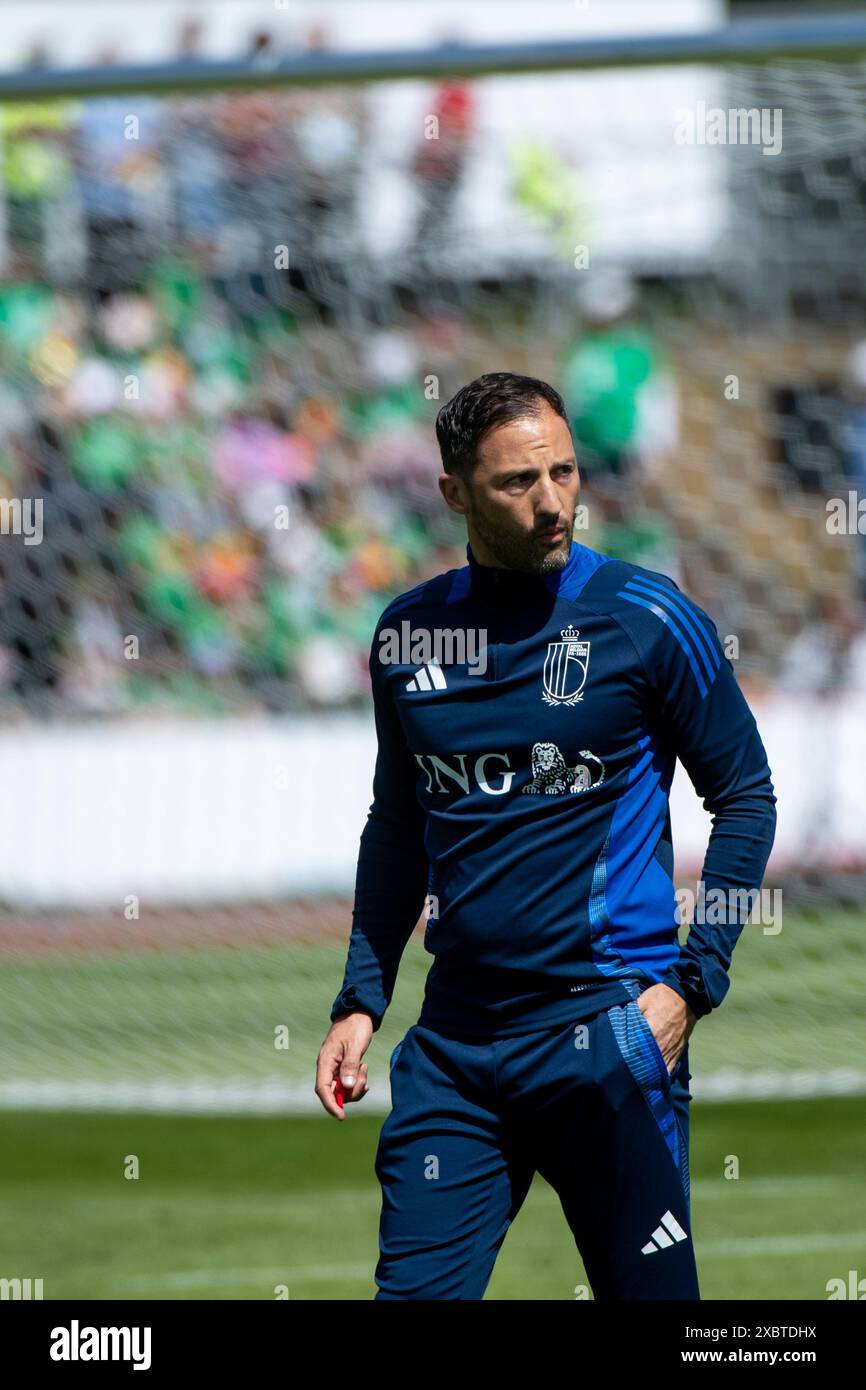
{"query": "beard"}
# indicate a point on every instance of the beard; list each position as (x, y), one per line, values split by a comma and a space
(519, 551)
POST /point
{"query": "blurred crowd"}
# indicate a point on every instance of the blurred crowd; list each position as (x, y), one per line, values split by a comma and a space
(235, 478)
(235, 453)
(236, 461)
(210, 484)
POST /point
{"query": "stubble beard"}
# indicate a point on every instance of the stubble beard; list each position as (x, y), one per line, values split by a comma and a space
(517, 552)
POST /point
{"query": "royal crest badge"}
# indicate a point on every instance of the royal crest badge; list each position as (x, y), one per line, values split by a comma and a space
(565, 669)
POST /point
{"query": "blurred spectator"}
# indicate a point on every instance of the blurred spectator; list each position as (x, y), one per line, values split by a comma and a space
(40, 583)
(189, 41)
(257, 183)
(829, 655)
(262, 49)
(36, 166)
(546, 186)
(627, 530)
(619, 393)
(122, 184)
(194, 159)
(329, 127)
(38, 57)
(440, 157)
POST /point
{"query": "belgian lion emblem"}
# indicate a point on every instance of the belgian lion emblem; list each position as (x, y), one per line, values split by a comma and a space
(551, 775)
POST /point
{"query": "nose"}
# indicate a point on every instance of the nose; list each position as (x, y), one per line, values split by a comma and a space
(548, 506)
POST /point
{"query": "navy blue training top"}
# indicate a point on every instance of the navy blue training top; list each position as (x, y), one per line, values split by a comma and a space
(529, 799)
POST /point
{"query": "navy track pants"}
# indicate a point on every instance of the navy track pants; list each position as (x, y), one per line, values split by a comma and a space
(590, 1106)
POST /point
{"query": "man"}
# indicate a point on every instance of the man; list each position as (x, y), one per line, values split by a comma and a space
(440, 158)
(527, 800)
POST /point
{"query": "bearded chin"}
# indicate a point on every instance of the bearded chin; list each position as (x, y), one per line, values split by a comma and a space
(557, 560)
(519, 553)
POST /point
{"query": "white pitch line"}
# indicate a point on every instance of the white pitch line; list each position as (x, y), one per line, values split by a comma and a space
(218, 1278)
(198, 1096)
(764, 1246)
(240, 1096)
(783, 1185)
(779, 1085)
(736, 1248)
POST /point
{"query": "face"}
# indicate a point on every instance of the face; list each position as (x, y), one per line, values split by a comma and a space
(521, 499)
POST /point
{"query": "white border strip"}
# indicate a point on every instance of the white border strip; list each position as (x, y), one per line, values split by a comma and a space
(205, 1096)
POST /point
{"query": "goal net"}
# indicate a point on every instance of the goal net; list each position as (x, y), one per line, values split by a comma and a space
(227, 321)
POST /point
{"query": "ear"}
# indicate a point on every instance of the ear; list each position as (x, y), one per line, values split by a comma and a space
(453, 490)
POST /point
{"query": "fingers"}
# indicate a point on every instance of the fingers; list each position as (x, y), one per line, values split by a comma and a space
(326, 1080)
(360, 1087)
(352, 1093)
(351, 1065)
(679, 1058)
(352, 1076)
(353, 1073)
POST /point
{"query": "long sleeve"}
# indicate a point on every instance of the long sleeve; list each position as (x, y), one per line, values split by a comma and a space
(705, 720)
(391, 877)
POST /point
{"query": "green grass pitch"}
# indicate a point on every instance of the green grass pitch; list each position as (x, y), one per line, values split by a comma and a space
(232, 1208)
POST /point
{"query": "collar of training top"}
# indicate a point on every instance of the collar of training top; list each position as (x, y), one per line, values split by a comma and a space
(490, 581)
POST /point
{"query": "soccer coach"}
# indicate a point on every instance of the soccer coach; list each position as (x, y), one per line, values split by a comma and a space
(526, 801)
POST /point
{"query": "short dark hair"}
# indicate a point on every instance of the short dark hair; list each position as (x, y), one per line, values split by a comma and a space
(491, 400)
